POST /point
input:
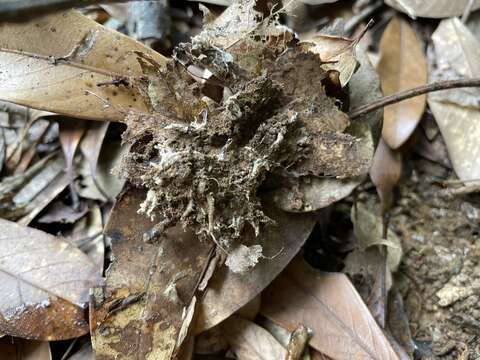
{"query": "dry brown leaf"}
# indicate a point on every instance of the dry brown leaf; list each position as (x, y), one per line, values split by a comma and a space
(21, 349)
(402, 66)
(385, 172)
(61, 61)
(228, 292)
(149, 285)
(432, 9)
(248, 341)
(45, 284)
(457, 52)
(329, 305)
(338, 50)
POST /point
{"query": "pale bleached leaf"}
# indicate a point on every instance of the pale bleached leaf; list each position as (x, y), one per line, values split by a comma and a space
(433, 8)
(457, 51)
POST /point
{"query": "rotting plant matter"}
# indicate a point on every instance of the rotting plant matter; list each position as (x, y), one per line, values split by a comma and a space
(203, 159)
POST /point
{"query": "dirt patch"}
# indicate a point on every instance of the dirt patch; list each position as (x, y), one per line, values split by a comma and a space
(439, 277)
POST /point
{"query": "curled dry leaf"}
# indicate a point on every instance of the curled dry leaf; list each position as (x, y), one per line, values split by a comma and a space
(248, 341)
(385, 172)
(92, 144)
(69, 64)
(328, 304)
(402, 66)
(432, 9)
(457, 52)
(337, 52)
(45, 284)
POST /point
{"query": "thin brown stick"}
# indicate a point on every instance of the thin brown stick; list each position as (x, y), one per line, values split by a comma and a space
(407, 94)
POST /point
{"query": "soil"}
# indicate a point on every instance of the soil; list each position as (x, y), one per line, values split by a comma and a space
(439, 277)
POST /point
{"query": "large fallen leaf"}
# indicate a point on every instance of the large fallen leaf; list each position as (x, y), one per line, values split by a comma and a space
(21, 349)
(67, 63)
(227, 291)
(248, 341)
(149, 285)
(457, 51)
(402, 66)
(432, 9)
(44, 285)
(329, 304)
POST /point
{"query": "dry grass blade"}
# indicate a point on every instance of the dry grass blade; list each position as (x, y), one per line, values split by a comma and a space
(44, 282)
(69, 64)
(402, 66)
(329, 305)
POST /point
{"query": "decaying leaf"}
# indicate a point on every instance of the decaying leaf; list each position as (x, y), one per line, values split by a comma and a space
(248, 341)
(432, 9)
(402, 66)
(368, 229)
(149, 285)
(385, 172)
(71, 65)
(329, 305)
(45, 284)
(228, 291)
(457, 54)
(21, 349)
(337, 52)
(312, 193)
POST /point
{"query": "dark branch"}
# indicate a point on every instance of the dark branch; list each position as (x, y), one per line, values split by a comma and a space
(407, 94)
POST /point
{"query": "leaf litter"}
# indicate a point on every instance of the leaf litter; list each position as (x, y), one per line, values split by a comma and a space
(243, 120)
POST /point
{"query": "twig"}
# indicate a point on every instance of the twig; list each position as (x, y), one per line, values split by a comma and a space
(353, 22)
(407, 94)
(18, 9)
